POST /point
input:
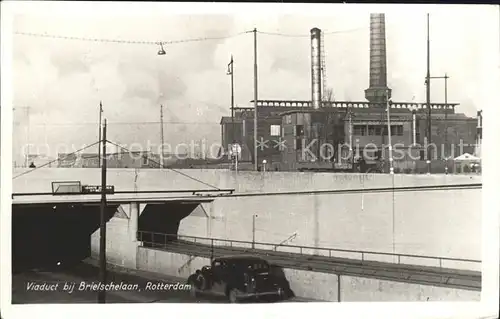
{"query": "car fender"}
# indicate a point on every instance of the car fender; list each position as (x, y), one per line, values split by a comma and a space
(191, 279)
(201, 280)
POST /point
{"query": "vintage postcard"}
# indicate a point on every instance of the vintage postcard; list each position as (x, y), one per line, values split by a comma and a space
(308, 157)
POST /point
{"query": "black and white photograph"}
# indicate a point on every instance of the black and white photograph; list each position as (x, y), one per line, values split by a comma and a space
(323, 154)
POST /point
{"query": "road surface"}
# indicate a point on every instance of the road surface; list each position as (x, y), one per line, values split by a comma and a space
(26, 286)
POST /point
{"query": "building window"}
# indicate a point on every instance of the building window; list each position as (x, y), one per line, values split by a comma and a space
(371, 130)
(378, 130)
(275, 130)
(288, 119)
(397, 130)
(299, 130)
(359, 130)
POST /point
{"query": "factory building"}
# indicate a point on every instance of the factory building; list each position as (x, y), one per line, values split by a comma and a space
(269, 130)
(333, 136)
(321, 134)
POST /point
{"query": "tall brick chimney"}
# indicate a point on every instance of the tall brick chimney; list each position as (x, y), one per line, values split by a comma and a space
(316, 82)
(378, 89)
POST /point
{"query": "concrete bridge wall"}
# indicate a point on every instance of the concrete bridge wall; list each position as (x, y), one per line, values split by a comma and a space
(121, 242)
(125, 251)
(440, 223)
(314, 285)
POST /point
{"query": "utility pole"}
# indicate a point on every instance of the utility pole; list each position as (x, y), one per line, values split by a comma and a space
(446, 117)
(445, 77)
(100, 130)
(255, 96)
(28, 132)
(253, 231)
(162, 141)
(391, 165)
(351, 154)
(102, 245)
(428, 99)
(232, 142)
(231, 72)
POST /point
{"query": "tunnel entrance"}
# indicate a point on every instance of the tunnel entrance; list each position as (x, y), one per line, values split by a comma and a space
(159, 223)
(44, 235)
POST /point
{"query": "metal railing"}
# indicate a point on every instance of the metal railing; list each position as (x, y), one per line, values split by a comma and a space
(162, 240)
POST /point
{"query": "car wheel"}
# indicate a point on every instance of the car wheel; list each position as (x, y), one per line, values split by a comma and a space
(233, 296)
(193, 291)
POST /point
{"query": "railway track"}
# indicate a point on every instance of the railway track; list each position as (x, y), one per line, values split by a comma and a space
(425, 275)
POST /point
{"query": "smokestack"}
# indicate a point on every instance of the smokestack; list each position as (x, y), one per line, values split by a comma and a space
(316, 67)
(378, 89)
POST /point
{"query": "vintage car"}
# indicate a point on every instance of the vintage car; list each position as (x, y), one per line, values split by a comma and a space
(239, 278)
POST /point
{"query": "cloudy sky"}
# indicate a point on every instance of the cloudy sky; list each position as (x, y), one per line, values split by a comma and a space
(62, 81)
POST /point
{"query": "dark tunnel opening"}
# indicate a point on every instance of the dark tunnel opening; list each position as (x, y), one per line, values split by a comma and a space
(159, 223)
(49, 236)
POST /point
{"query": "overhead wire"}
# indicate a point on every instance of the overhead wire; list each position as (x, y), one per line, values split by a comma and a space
(308, 35)
(144, 156)
(56, 160)
(123, 123)
(161, 165)
(120, 41)
(139, 42)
